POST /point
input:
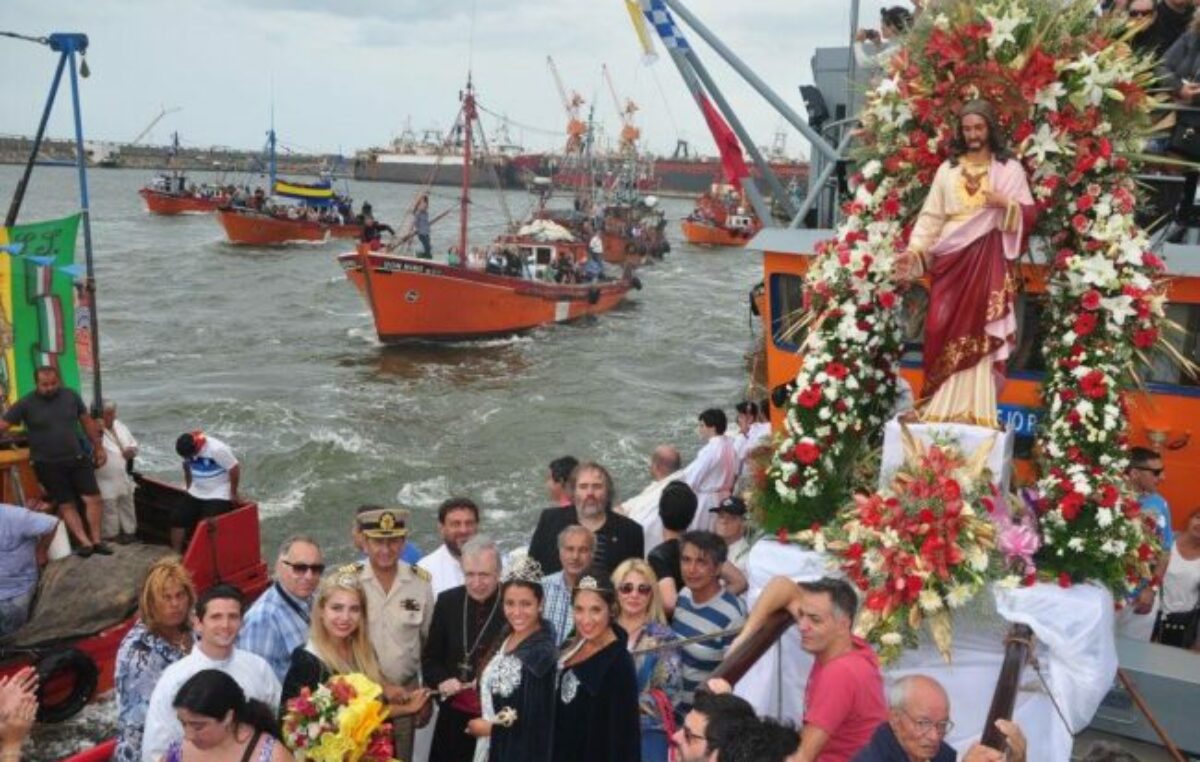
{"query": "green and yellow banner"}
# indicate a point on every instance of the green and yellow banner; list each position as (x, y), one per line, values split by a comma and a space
(37, 304)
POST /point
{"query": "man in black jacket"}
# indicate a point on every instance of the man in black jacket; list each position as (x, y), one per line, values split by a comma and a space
(617, 537)
(467, 620)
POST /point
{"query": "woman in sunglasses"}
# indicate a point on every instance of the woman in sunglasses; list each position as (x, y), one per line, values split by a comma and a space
(659, 676)
(596, 718)
(338, 644)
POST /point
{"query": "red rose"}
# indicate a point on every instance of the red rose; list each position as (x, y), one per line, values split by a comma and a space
(1153, 261)
(1108, 496)
(887, 299)
(809, 398)
(1071, 505)
(1080, 223)
(837, 370)
(807, 453)
(890, 208)
(1093, 385)
(1091, 300)
(1085, 323)
(1064, 579)
(878, 600)
(1083, 203)
(1145, 337)
(782, 534)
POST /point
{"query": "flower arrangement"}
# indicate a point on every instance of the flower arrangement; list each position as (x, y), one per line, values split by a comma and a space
(1073, 98)
(344, 720)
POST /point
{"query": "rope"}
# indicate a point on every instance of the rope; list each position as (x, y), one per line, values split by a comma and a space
(1037, 668)
(530, 128)
(493, 174)
(27, 38)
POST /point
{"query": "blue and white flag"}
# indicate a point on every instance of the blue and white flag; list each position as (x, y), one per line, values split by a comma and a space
(664, 23)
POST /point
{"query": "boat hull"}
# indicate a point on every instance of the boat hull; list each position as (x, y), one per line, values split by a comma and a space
(169, 204)
(248, 228)
(703, 234)
(418, 299)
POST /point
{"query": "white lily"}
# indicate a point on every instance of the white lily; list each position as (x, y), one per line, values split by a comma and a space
(1002, 31)
(1042, 142)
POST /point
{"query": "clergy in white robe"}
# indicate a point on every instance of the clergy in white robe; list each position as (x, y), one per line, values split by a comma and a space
(712, 473)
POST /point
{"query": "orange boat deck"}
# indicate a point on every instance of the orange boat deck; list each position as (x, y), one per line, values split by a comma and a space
(169, 204)
(250, 228)
(419, 299)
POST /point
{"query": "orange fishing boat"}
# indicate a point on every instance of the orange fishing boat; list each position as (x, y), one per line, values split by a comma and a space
(165, 203)
(721, 218)
(515, 291)
(253, 228)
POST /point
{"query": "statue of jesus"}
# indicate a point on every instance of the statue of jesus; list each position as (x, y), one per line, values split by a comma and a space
(971, 229)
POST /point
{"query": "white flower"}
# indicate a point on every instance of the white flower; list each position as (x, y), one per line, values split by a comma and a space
(978, 559)
(1042, 142)
(1048, 96)
(930, 601)
(871, 168)
(1076, 544)
(891, 639)
(1010, 582)
(1002, 31)
(958, 595)
(1119, 307)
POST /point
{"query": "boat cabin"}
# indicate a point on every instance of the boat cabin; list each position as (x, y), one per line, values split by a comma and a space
(1164, 416)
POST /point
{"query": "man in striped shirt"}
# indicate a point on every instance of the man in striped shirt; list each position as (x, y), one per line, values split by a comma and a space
(703, 607)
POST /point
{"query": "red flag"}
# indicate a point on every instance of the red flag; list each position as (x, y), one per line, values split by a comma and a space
(727, 143)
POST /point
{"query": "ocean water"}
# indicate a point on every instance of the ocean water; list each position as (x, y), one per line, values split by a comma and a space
(271, 350)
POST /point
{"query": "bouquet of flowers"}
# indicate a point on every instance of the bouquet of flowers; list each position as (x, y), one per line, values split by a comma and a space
(919, 549)
(344, 720)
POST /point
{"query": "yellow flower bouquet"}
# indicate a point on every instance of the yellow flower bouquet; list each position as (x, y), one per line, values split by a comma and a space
(344, 720)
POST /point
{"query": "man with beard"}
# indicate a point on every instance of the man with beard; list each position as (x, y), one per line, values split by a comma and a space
(458, 522)
(974, 224)
(53, 416)
(467, 621)
(617, 537)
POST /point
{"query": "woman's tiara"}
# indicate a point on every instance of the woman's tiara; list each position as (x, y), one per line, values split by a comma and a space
(524, 569)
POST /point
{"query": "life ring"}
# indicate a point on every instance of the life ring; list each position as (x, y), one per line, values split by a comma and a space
(70, 664)
(593, 295)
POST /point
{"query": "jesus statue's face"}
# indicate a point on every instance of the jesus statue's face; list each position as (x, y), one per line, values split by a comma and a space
(974, 132)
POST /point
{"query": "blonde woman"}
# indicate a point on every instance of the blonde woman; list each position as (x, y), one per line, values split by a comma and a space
(659, 674)
(160, 638)
(338, 644)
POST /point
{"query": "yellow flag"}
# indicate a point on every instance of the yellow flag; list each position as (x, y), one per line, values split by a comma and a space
(642, 28)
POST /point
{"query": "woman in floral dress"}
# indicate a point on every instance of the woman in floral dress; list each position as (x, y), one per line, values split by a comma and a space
(659, 674)
(161, 637)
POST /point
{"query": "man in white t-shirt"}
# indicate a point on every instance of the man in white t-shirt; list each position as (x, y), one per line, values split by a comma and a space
(217, 620)
(211, 473)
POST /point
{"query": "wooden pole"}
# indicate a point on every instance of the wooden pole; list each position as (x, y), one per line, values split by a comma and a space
(739, 661)
(1018, 644)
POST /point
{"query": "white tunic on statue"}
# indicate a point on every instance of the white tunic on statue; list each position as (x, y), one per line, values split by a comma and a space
(711, 477)
(444, 569)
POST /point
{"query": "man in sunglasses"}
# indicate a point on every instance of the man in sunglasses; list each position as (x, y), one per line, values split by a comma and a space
(1145, 474)
(278, 621)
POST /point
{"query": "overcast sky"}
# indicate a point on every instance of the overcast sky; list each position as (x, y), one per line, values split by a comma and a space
(347, 74)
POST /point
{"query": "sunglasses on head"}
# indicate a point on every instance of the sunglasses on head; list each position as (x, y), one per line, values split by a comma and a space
(1156, 471)
(628, 588)
(306, 568)
(1141, 14)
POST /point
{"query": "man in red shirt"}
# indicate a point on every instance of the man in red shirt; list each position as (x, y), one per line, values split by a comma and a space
(843, 701)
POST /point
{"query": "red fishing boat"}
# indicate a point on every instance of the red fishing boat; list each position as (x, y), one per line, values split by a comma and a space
(161, 202)
(525, 283)
(250, 227)
(73, 643)
(721, 218)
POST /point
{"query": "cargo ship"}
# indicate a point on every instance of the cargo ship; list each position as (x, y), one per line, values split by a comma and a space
(436, 160)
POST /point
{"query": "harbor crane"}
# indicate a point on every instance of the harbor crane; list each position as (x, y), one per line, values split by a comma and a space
(572, 104)
(629, 132)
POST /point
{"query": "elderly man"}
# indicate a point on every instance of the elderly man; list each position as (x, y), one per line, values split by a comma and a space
(843, 700)
(458, 522)
(918, 720)
(21, 532)
(278, 621)
(576, 546)
(217, 619)
(116, 487)
(617, 537)
(52, 415)
(400, 602)
(467, 621)
(643, 507)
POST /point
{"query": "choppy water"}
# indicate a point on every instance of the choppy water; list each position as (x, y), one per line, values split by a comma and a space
(273, 351)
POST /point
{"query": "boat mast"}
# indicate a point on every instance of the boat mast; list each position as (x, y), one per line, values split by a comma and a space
(468, 116)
